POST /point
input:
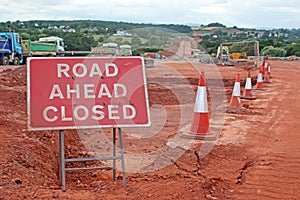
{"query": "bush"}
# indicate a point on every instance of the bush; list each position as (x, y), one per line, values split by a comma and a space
(138, 52)
(79, 42)
(273, 51)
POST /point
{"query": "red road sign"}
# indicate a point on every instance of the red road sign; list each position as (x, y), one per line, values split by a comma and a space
(86, 92)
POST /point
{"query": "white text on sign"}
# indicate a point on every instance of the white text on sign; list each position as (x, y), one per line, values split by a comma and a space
(52, 113)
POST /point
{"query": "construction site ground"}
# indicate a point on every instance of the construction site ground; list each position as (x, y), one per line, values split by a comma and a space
(256, 154)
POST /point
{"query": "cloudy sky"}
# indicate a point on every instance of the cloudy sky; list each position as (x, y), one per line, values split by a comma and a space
(240, 13)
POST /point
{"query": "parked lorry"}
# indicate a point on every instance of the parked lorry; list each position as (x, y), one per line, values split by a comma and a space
(57, 41)
(46, 47)
(15, 50)
(10, 48)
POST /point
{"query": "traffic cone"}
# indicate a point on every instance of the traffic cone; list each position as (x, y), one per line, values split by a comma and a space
(265, 66)
(200, 122)
(236, 93)
(248, 88)
(267, 76)
(269, 70)
(259, 83)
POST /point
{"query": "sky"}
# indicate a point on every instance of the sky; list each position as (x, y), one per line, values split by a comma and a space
(243, 14)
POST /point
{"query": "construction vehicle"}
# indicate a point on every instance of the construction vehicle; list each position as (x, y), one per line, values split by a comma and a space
(111, 49)
(226, 58)
(10, 48)
(125, 50)
(15, 50)
(238, 55)
(46, 47)
(59, 42)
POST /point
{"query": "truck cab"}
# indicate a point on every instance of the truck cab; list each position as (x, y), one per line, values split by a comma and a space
(10, 48)
(59, 42)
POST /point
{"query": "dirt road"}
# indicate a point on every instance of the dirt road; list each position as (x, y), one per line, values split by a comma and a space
(257, 155)
(274, 138)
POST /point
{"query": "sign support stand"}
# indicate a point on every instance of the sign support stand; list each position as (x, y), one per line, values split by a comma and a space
(63, 161)
(122, 156)
(62, 175)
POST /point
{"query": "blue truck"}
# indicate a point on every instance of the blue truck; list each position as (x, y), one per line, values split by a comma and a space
(10, 48)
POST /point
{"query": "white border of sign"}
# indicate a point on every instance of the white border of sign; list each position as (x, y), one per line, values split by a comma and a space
(86, 127)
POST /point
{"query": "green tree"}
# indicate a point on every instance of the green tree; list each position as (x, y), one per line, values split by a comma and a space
(33, 38)
(293, 49)
(266, 42)
(25, 36)
(101, 39)
(216, 24)
(79, 42)
(209, 46)
(274, 51)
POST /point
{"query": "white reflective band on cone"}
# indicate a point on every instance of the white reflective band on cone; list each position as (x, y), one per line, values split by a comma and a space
(259, 77)
(236, 89)
(201, 100)
(248, 85)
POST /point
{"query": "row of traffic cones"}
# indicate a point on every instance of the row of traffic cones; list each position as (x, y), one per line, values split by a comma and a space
(200, 122)
(262, 77)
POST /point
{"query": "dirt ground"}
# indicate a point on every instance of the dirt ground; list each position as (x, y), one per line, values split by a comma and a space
(256, 155)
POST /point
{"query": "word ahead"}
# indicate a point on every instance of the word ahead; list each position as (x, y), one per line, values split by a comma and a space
(86, 92)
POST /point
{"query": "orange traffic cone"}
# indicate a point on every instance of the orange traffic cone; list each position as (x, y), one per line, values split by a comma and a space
(200, 122)
(267, 76)
(269, 70)
(236, 93)
(248, 88)
(259, 84)
(265, 66)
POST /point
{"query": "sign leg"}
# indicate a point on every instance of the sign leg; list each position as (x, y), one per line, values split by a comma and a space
(122, 156)
(114, 154)
(62, 172)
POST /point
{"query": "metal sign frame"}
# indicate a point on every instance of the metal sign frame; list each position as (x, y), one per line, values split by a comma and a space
(114, 157)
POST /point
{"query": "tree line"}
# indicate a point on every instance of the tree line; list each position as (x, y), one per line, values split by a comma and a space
(85, 34)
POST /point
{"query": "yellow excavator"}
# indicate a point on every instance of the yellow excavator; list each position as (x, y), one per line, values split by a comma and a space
(238, 55)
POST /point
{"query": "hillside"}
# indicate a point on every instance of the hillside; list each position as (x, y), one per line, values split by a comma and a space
(85, 34)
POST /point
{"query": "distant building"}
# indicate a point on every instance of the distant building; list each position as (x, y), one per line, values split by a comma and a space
(123, 33)
(70, 30)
